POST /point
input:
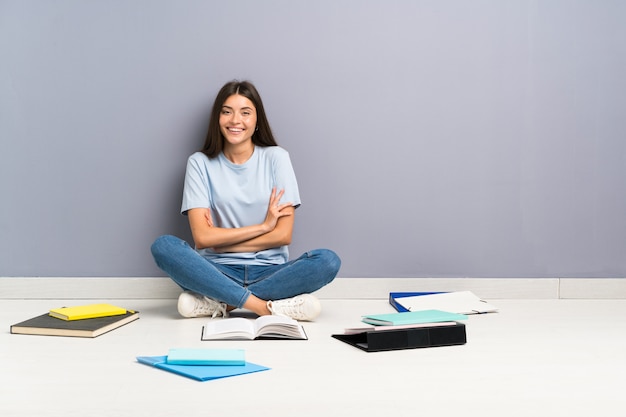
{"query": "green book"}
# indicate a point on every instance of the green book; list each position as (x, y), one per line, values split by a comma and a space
(412, 317)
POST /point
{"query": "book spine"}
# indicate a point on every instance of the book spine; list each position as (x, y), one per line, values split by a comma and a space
(416, 338)
(396, 303)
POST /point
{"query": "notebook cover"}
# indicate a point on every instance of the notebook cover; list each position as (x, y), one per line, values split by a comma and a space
(462, 302)
(412, 317)
(46, 325)
(423, 337)
(395, 302)
(89, 311)
(221, 357)
(201, 372)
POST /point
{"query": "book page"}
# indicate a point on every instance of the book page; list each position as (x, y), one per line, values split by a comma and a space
(279, 326)
(355, 330)
(233, 328)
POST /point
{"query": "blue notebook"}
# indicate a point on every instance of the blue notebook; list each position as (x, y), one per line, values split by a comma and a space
(222, 357)
(412, 317)
(200, 372)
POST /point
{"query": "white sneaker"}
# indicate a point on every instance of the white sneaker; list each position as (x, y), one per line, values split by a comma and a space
(191, 304)
(301, 307)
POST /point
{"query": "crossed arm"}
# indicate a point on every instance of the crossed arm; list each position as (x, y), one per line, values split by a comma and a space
(274, 231)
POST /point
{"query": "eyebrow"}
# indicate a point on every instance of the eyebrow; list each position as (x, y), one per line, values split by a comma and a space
(243, 108)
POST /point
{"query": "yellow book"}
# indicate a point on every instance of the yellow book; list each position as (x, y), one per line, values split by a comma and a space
(89, 311)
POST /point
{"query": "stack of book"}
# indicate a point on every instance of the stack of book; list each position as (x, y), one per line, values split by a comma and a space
(203, 364)
(90, 320)
(406, 330)
(423, 319)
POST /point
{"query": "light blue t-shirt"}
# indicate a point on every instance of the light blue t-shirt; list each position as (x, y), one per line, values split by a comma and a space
(238, 195)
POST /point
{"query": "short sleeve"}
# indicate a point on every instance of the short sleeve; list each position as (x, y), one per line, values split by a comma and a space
(285, 177)
(196, 187)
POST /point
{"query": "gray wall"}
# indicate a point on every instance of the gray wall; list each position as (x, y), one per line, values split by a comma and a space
(430, 138)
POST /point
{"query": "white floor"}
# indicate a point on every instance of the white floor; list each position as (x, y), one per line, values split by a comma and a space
(533, 358)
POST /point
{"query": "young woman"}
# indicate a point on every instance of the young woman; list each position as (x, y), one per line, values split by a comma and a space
(240, 196)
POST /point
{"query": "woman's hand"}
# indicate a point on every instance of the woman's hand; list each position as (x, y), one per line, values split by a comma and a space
(268, 234)
(275, 210)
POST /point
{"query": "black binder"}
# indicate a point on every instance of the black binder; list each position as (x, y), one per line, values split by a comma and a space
(421, 337)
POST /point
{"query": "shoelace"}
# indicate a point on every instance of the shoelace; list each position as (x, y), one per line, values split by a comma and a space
(206, 305)
(290, 308)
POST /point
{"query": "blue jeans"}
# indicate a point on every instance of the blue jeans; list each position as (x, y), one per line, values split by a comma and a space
(233, 284)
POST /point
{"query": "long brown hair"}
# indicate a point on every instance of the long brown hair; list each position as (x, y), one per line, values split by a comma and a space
(263, 136)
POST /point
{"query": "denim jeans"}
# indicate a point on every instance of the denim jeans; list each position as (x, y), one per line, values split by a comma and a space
(233, 284)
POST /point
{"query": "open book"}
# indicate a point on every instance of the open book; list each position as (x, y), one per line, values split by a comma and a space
(265, 327)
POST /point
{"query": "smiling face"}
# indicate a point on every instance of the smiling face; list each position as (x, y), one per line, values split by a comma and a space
(237, 121)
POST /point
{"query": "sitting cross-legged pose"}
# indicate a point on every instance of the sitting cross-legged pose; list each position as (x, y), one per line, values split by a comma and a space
(240, 196)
